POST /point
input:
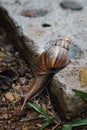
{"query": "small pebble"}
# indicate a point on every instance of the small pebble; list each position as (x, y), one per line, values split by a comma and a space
(5, 115)
(71, 5)
(28, 75)
(34, 13)
(8, 59)
(14, 64)
(21, 72)
(3, 99)
(23, 81)
(9, 96)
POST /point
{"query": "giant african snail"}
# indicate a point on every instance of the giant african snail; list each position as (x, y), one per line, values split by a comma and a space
(54, 58)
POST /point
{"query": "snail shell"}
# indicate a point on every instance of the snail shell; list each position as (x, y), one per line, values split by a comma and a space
(55, 57)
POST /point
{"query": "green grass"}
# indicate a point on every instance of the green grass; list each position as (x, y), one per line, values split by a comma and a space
(49, 119)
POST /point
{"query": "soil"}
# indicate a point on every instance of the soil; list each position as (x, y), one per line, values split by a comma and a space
(11, 115)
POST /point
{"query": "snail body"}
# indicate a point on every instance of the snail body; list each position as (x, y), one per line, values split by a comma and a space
(54, 58)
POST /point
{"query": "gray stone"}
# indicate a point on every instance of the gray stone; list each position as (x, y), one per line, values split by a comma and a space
(71, 5)
(62, 85)
(31, 38)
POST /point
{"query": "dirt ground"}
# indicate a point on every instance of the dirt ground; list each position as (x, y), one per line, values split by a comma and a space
(15, 77)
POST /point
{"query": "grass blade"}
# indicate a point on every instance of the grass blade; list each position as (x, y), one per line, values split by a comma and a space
(80, 122)
(74, 124)
(67, 127)
(44, 125)
(39, 109)
(47, 123)
(80, 93)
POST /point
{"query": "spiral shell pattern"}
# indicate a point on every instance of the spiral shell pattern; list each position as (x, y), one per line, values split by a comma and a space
(55, 57)
(63, 42)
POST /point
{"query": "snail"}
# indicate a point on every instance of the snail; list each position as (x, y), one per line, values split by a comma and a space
(51, 61)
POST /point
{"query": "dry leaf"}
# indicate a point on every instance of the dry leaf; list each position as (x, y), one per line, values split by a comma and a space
(83, 77)
(9, 96)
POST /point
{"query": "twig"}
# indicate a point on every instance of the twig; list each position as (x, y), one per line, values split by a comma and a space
(57, 125)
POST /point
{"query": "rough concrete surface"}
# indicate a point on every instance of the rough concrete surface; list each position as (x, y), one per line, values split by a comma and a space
(42, 22)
